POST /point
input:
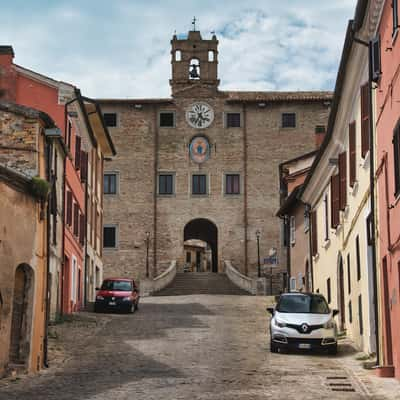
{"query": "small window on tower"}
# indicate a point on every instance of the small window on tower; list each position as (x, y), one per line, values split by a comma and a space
(288, 120)
(233, 120)
(178, 55)
(210, 55)
(110, 119)
(194, 69)
(167, 119)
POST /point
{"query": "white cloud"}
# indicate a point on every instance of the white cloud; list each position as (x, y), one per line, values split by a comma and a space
(122, 49)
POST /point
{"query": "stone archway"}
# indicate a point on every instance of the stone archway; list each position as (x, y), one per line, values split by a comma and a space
(205, 230)
(21, 323)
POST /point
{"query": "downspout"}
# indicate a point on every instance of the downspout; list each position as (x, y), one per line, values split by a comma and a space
(372, 191)
(310, 255)
(155, 155)
(85, 272)
(245, 216)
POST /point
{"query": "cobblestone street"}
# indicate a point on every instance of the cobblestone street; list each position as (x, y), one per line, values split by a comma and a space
(189, 347)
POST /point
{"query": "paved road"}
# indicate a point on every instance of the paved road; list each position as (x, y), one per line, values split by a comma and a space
(188, 347)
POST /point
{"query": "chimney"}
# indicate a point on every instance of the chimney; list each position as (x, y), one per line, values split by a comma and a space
(8, 75)
(320, 132)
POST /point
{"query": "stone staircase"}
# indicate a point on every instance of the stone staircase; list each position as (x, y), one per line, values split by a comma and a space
(201, 283)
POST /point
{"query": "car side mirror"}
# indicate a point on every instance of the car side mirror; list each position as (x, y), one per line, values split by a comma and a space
(271, 310)
(335, 312)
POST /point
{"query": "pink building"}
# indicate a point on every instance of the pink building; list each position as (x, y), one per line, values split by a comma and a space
(388, 187)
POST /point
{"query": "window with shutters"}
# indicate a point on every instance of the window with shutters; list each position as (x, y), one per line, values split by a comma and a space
(396, 154)
(360, 315)
(232, 184)
(343, 180)
(350, 312)
(395, 15)
(335, 190)
(110, 183)
(82, 229)
(199, 184)
(84, 166)
(314, 233)
(76, 220)
(376, 58)
(348, 273)
(328, 290)
(69, 134)
(166, 184)
(69, 208)
(352, 153)
(233, 120)
(110, 119)
(358, 260)
(288, 120)
(364, 119)
(109, 236)
(77, 152)
(326, 217)
(292, 230)
(167, 119)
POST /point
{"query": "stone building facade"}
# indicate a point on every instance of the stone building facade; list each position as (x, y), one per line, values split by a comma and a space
(200, 165)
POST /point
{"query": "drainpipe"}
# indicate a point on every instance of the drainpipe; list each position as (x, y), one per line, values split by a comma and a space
(372, 192)
(310, 256)
(246, 266)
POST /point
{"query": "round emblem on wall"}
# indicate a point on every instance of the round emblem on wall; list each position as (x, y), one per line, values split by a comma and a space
(199, 115)
(199, 149)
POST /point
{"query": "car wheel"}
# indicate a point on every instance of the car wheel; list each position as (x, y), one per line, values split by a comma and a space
(132, 308)
(333, 350)
(274, 348)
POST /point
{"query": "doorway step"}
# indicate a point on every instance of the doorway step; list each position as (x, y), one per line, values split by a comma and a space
(201, 283)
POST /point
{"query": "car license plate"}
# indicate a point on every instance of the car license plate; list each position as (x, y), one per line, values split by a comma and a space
(112, 303)
(304, 346)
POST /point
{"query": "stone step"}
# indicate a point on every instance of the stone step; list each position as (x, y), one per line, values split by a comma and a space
(187, 283)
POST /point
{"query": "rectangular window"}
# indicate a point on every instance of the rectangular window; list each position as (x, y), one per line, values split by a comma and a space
(76, 219)
(360, 315)
(395, 11)
(110, 119)
(306, 221)
(69, 134)
(110, 183)
(326, 209)
(348, 273)
(84, 166)
(288, 120)
(396, 154)
(82, 229)
(233, 120)
(314, 233)
(199, 184)
(188, 257)
(365, 95)
(77, 152)
(358, 258)
(292, 230)
(353, 154)
(328, 290)
(350, 312)
(292, 283)
(167, 119)
(232, 184)
(343, 180)
(165, 184)
(109, 237)
(69, 208)
(335, 199)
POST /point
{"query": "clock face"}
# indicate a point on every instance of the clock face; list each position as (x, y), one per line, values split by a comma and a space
(199, 115)
(199, 149)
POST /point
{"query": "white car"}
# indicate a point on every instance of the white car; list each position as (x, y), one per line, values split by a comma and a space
(303, 321)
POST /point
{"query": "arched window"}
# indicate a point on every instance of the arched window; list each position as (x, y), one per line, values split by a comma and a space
(210, 55)
(178, 55)
(194, 69)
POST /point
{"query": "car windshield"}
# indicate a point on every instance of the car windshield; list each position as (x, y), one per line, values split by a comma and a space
(303, 304)
(118, 286)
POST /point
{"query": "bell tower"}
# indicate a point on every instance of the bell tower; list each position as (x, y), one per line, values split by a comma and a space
(194, 62)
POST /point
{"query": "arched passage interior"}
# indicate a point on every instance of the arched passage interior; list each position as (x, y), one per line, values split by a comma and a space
(205, 230)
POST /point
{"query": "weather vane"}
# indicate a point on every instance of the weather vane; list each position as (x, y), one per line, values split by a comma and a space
(194, 23)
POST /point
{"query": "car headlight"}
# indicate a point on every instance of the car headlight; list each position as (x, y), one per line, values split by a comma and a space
(330, 324)
(127, 299)
(99, 297)
(280, 324)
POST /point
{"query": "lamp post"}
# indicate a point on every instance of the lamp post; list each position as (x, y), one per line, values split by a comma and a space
(147, 241)
(258, 234)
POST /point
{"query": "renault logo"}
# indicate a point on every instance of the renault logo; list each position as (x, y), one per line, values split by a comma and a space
(304, 328)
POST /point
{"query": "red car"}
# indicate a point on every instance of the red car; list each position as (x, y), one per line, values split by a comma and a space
(117, 294)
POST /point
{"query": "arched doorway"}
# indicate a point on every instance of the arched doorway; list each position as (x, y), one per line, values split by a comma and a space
(205, 230)
(341, 305)
(22, 314)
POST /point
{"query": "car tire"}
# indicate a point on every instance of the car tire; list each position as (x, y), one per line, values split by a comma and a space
(132, 308)
(333, 350)
(274, 348)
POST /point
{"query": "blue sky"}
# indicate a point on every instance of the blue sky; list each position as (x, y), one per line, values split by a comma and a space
(121, 48)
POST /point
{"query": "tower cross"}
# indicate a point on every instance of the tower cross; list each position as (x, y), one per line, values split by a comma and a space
(194, 23)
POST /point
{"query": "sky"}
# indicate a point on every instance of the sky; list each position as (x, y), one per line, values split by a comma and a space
(121, 48)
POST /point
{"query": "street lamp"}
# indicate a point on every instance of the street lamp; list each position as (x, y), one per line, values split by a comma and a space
(147, 241)
(258, 234)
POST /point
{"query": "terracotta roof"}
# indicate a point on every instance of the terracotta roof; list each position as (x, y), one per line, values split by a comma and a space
(278, 96)
(135, 101)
